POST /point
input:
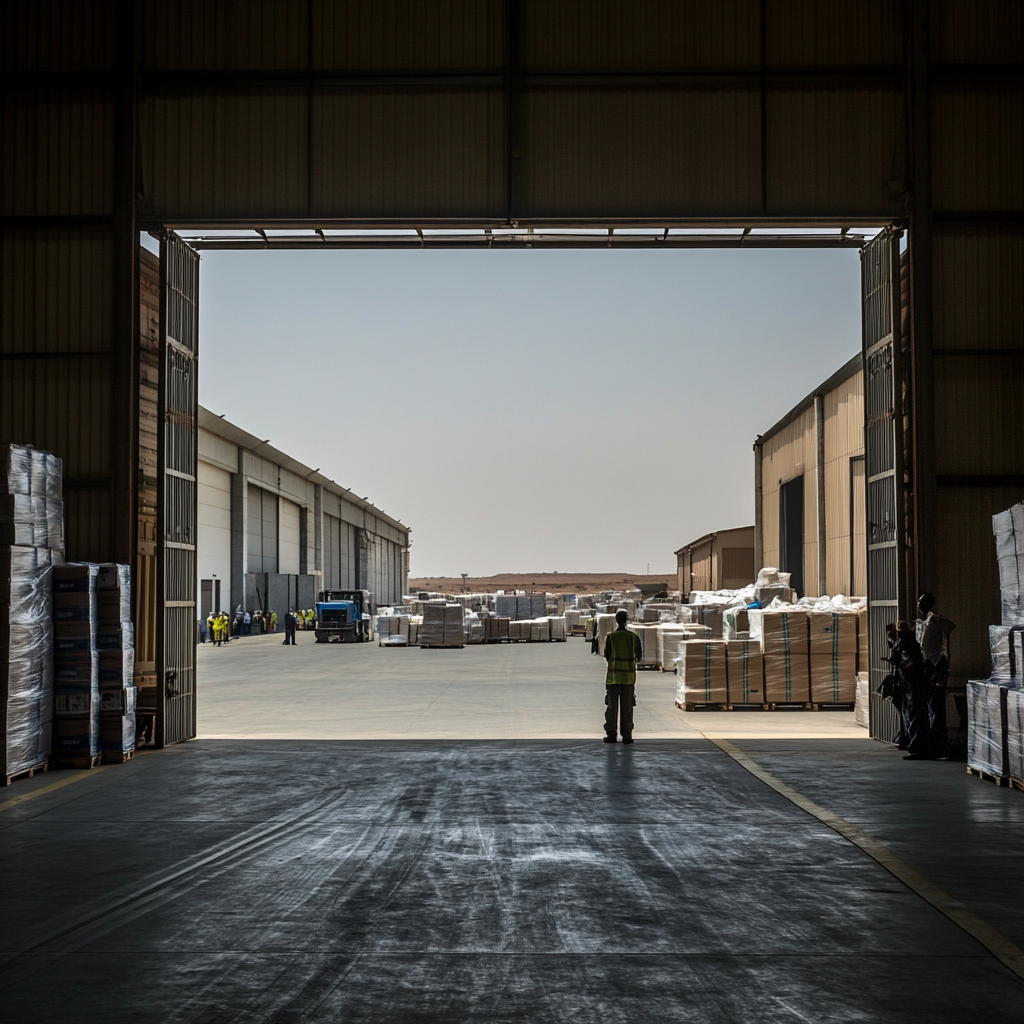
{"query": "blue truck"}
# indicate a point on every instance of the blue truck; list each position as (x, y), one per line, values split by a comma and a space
(345, 616)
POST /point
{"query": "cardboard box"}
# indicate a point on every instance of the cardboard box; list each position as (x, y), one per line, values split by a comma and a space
(116, 669)
(118, 702)
(780, 632)
(73, 702)
(702, 674)
(77, 736)
(77, 576)
(117, 733)
(745, 666)
(833, 633)
(786, 678)
(834, 678)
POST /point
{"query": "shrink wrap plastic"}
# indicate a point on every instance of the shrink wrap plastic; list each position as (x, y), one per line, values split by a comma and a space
(76, 725)
(703, 676)
(520, 606)
(987, 727)
(474, 628)
(745, 665)
(1006, 644)
(496, 627)
(540, 631)
(443, 626)
(557, 626)
(671, 636)
(861, 712)
(29, 547)
(573, 617)
(605, 625)
(1015, 733)
(1008, 530)
(648, 642)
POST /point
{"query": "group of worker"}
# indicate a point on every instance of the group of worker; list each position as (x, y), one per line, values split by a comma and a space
(919, 655)
(218, 628)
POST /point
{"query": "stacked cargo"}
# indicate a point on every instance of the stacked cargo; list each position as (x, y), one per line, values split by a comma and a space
(995, 706)
(115, 641)
(833, 661)
(703, 676)
(744, 665)
(443, 626)
(496, 628)
(648, 643)
(557, 625)
(785, 644)
(31, 542)
(671, 635)
(76, 666)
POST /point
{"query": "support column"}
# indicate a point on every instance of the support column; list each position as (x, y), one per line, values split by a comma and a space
(922, 482)
(239, 535)
(819, 476)
(758, 510)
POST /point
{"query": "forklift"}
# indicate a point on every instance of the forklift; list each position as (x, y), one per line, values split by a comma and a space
(345, 615)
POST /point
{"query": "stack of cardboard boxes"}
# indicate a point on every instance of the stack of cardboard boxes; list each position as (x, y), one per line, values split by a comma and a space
(31, 542)
(995, 706)
(115, 641)
(792, 655)
(76, 666)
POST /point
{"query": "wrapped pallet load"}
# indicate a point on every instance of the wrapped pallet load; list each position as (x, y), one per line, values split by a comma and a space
(784, 639)
(443, 626)
(987, 747)
(557, 624)
(1015, 735)
(76, 665)
(703, 676)
(833, 649)
(496, 628)
(115, 641)
(1008, 530)
(648, 642)
(745, 665)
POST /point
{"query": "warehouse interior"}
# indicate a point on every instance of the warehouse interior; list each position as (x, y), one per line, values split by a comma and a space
(485, 872)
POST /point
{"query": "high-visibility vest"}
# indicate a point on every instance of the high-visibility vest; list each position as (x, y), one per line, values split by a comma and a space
(625, 649)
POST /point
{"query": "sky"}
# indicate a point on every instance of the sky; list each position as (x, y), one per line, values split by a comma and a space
(531, 410)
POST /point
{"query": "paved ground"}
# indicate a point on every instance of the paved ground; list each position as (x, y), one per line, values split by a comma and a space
(422, 880)
(255, 688)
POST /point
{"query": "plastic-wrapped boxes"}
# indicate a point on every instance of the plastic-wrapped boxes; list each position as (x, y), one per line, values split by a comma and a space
(76, 668)
(702, 672)
(833, 657)
(443, 626)
(745, 669)
(1015, 734)
(31, 543)
(115, 641)
(648, 643)
(987, 727)
(1008, 530)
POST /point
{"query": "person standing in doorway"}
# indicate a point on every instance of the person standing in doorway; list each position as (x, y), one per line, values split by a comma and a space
(932, 633)
(290, 623)
(622, 650)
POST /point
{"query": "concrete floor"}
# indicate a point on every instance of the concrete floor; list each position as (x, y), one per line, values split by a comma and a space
(512, 879)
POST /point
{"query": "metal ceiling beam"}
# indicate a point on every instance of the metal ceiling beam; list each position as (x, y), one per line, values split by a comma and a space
(523, 240)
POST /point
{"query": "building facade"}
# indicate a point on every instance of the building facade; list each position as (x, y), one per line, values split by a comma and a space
(717, 561)
(272, 532)
(809, 507)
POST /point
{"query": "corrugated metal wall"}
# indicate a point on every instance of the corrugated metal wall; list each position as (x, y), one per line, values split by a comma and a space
(844, 440)
(788, 454)
(489, 111)
(978, 309)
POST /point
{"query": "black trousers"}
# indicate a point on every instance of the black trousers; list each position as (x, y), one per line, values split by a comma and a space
(619, 714)
(289, 635)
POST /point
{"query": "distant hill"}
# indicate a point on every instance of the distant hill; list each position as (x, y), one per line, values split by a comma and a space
(547, 582)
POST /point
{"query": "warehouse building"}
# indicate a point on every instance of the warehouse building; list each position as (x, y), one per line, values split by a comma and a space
(272, 532)
(809, 501)
(717, 561)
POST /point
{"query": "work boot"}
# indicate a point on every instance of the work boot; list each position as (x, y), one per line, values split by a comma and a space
(627, 739)
(609, 739)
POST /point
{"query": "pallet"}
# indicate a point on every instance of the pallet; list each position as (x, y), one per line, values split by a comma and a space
(441, 647)
(710, 707)
(76, 762)
(29, 773)
(998, 780)
(1016, 783)
(647, 668)
(117, 756)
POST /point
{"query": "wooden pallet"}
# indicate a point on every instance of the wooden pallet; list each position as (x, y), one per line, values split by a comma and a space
(441, 647)
(76, 762)
(1016, 783)
(117, 756)
(28, 773)
(998, 780)
(691, 706)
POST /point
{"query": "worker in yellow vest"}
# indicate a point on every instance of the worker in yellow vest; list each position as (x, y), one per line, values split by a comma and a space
(622, 650)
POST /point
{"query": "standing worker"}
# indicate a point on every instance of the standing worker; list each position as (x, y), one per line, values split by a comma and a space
(289, 628)
(933, 634)
(622, 650)
(273, 621)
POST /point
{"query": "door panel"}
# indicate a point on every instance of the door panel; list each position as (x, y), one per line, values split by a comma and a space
(177, 466)
(883, 462)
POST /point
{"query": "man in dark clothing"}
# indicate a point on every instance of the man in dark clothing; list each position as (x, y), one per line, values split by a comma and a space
(622, 650)
(933, 634)
(289, 628)
(906, 656)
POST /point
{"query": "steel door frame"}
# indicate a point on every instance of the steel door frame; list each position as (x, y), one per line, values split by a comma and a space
(885, 529)
(177, 490)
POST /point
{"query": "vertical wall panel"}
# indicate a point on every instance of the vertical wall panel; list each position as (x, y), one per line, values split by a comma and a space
(839, 32)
